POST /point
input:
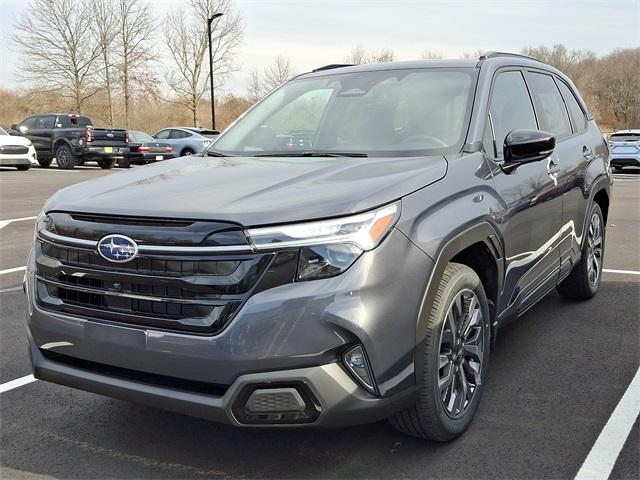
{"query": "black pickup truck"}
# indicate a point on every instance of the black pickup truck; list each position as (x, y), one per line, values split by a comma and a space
(72, 140)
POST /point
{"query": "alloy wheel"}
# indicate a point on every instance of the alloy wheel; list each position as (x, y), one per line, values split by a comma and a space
(461, 353)
(594, 249)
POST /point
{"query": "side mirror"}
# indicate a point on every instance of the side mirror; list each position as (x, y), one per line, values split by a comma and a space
(526, 146)
(14, 127)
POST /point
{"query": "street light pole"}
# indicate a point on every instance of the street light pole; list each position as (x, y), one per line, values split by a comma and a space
(213, 108)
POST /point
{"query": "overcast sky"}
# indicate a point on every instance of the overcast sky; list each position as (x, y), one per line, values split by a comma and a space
(317, 32)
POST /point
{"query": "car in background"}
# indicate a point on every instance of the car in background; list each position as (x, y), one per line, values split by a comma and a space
(187, 140)
(143, 148)
(624, 147)
(16, 151)
(72, 140)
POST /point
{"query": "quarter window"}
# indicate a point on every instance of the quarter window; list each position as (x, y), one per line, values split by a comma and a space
(549, 105)
(510, 107)
(577, 115)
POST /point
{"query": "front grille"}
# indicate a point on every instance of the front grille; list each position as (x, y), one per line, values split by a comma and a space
(191, 292)
(14, 150)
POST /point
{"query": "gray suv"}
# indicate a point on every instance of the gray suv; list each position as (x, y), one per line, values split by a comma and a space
(346, 252)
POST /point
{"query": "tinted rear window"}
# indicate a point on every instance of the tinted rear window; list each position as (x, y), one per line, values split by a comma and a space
(625, 137)
(74, 121)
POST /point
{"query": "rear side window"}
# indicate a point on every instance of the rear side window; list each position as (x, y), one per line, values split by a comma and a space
(163, 134)
(175, 134)
(551, 110)
(577, 115)
(510, 107)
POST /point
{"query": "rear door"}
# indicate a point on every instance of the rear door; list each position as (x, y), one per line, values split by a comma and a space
(532, 210)
(573, 153)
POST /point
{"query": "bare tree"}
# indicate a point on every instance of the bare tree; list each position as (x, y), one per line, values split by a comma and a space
(105, 34)
(619, 81)
(136, 28)
(359, 55)
(255, 89)
(431, 55)
(279, 71)
(186, 40)
(57, 38)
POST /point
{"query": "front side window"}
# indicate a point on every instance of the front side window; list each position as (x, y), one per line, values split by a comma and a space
(29, 123)
(379, 113)
(510, 107)
(549, 105)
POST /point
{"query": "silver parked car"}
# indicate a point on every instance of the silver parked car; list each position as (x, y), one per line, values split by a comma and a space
(624, 146)
(186, 140)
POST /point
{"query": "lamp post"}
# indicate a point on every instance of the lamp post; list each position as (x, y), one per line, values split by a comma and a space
(213, 108)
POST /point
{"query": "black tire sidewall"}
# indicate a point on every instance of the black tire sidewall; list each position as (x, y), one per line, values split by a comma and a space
(185, 154)
(69, 162)
(464, 279)
(593, 288)
(106, 164)
(45, 162)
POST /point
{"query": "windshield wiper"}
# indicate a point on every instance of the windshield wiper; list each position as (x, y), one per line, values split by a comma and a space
(213, 153)
(314, 154)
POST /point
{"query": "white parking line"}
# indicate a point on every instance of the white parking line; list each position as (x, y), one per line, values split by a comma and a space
(13, 270)
(623, 272)
(18, 382)
(604, 453)
(4, 223)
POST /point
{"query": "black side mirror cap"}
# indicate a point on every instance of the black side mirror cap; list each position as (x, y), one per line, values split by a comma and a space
(14, 127)
(526, 146)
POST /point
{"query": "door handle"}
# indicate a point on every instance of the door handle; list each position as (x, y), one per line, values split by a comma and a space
(553, 165)
(587, 152)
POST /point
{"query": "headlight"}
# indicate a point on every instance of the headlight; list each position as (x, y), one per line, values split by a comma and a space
(328, 247)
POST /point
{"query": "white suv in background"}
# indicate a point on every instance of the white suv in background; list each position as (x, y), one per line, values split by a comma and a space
(16, 151)
(624, 146)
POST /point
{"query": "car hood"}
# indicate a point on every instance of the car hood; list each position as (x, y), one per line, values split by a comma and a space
(251, 191)
(14, 140)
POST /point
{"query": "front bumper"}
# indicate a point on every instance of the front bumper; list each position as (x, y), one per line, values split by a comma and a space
(291, 333)
(28, 158)
(340, 401)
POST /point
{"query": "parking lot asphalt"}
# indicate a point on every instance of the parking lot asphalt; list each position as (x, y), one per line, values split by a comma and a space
(556, 376)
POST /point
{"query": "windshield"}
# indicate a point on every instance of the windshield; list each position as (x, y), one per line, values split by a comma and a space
(380, 113)
(3, 132)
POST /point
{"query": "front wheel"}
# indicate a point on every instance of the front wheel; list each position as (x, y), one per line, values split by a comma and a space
(107, 163)
(584, 280)
(124, 163)
(456, 359)
(45, 162)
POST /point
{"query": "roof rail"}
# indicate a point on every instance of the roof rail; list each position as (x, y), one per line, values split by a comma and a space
(332, 66)
(492, 54)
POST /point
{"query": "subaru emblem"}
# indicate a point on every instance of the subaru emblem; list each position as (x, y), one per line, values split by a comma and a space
(117, 248)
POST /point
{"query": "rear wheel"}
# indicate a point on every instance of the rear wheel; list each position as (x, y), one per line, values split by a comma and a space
(584, 280)
(45, 162)
(124, 163)
(64, 158)
(23, 167)
(187, 151)
(107, 163)
(456, 359)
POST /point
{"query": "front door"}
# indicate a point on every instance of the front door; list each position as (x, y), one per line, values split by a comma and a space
(531, 215)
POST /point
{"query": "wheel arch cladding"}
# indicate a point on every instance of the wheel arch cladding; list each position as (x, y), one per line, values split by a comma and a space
(602, 199)
(478, 248)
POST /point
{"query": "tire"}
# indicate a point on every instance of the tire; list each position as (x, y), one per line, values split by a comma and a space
(436, 414)
(23, 168)
(45, 162)
(617, 169)
(186, 152)
(584, 280)
(107, 163)
(64, 158)
(124, 163)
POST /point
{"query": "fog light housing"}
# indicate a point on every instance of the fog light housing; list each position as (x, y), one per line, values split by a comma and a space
(356, 362)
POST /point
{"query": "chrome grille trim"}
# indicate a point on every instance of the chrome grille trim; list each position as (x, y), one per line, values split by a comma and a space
(78, 242)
